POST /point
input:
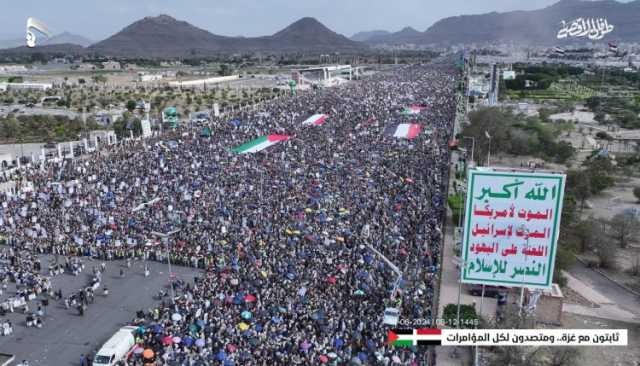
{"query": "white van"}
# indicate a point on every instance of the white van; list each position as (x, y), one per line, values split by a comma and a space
(116, 348)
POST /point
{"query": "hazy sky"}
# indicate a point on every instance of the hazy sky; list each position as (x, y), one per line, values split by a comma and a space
(100, 19)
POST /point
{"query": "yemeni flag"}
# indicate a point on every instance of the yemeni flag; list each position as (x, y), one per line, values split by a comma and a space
(414, 337)
(403, 130)
(613, 47)
(315, 120)
(412, 109)
(260, 144)
(559, 51)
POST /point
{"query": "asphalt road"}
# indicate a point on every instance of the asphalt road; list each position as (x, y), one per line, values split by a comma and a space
(615, 293)
(65, 335)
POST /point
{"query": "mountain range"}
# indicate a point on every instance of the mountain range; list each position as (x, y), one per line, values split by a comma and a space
(535, 27)
(368, 35)
(67, 37)
(164, 36)
(62, 38)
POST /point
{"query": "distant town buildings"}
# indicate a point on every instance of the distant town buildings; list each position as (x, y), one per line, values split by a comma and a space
(86, 67)
(202, 82)
(144, 77)
(7, 69)
(111, 65)
(106, 118)
(170, 63)
(25, 86)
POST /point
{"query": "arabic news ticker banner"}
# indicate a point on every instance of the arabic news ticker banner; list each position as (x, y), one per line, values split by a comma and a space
(507, 337)
(512, 223)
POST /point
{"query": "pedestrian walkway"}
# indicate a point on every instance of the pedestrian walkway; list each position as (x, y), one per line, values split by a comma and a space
(586, 291)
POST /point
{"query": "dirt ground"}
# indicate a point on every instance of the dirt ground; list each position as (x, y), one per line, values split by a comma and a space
(614, 200)
(610, 356)
(573, 297)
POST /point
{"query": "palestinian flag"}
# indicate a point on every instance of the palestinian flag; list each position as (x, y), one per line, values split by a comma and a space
(403, 130)
(414, 337)
(315, 120)
(260, 144)
(412, 109)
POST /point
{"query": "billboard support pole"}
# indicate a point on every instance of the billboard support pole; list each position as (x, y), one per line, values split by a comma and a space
(458, 308)
(524, 274)
(476, 356)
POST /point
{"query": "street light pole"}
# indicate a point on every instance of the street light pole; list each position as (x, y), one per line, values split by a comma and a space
(473, 144)
(489, 154)
(165, 239)
(464, 266)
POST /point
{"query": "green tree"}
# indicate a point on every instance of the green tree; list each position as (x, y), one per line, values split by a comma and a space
(601, 246)
(579, 185)
(544, 114)
(583, 232)
(456, 204)
(593, 103)
(636, 193)
(137, 127)
(563, 152)
(131, 105)
(599, 171)
(624, 227)
(99, 79)
(225, 70)
(494, 122)
(468, 315)
(10, 127)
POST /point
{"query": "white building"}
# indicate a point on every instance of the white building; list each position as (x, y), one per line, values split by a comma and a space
(6, 69)
(111, 65)
(26, 86)
(86, 67)
(202, 82)
(323, 75)
(144, 77)
(106, 118)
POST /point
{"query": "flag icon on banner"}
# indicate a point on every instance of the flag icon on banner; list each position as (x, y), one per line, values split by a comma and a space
(414, 337)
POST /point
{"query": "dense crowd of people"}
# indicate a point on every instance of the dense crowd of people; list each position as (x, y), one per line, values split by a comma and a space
(291, 239)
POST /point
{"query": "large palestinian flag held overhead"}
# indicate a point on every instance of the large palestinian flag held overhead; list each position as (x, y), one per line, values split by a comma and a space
(403, 130)
(412, 109)
(315, 120)
(260, 144)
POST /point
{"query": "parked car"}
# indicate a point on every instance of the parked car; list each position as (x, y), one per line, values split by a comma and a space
(489, 291)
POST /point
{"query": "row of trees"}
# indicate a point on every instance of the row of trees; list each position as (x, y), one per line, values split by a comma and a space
(622, 111)
(542, 75)
(517, 135)
(40, 128)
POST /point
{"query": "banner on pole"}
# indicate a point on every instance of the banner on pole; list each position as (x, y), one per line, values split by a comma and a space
(512, 223)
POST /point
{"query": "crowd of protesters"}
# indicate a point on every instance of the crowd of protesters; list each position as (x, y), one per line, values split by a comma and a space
(290, 240)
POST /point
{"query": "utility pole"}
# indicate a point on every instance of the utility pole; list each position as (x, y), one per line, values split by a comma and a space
(164, 237)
